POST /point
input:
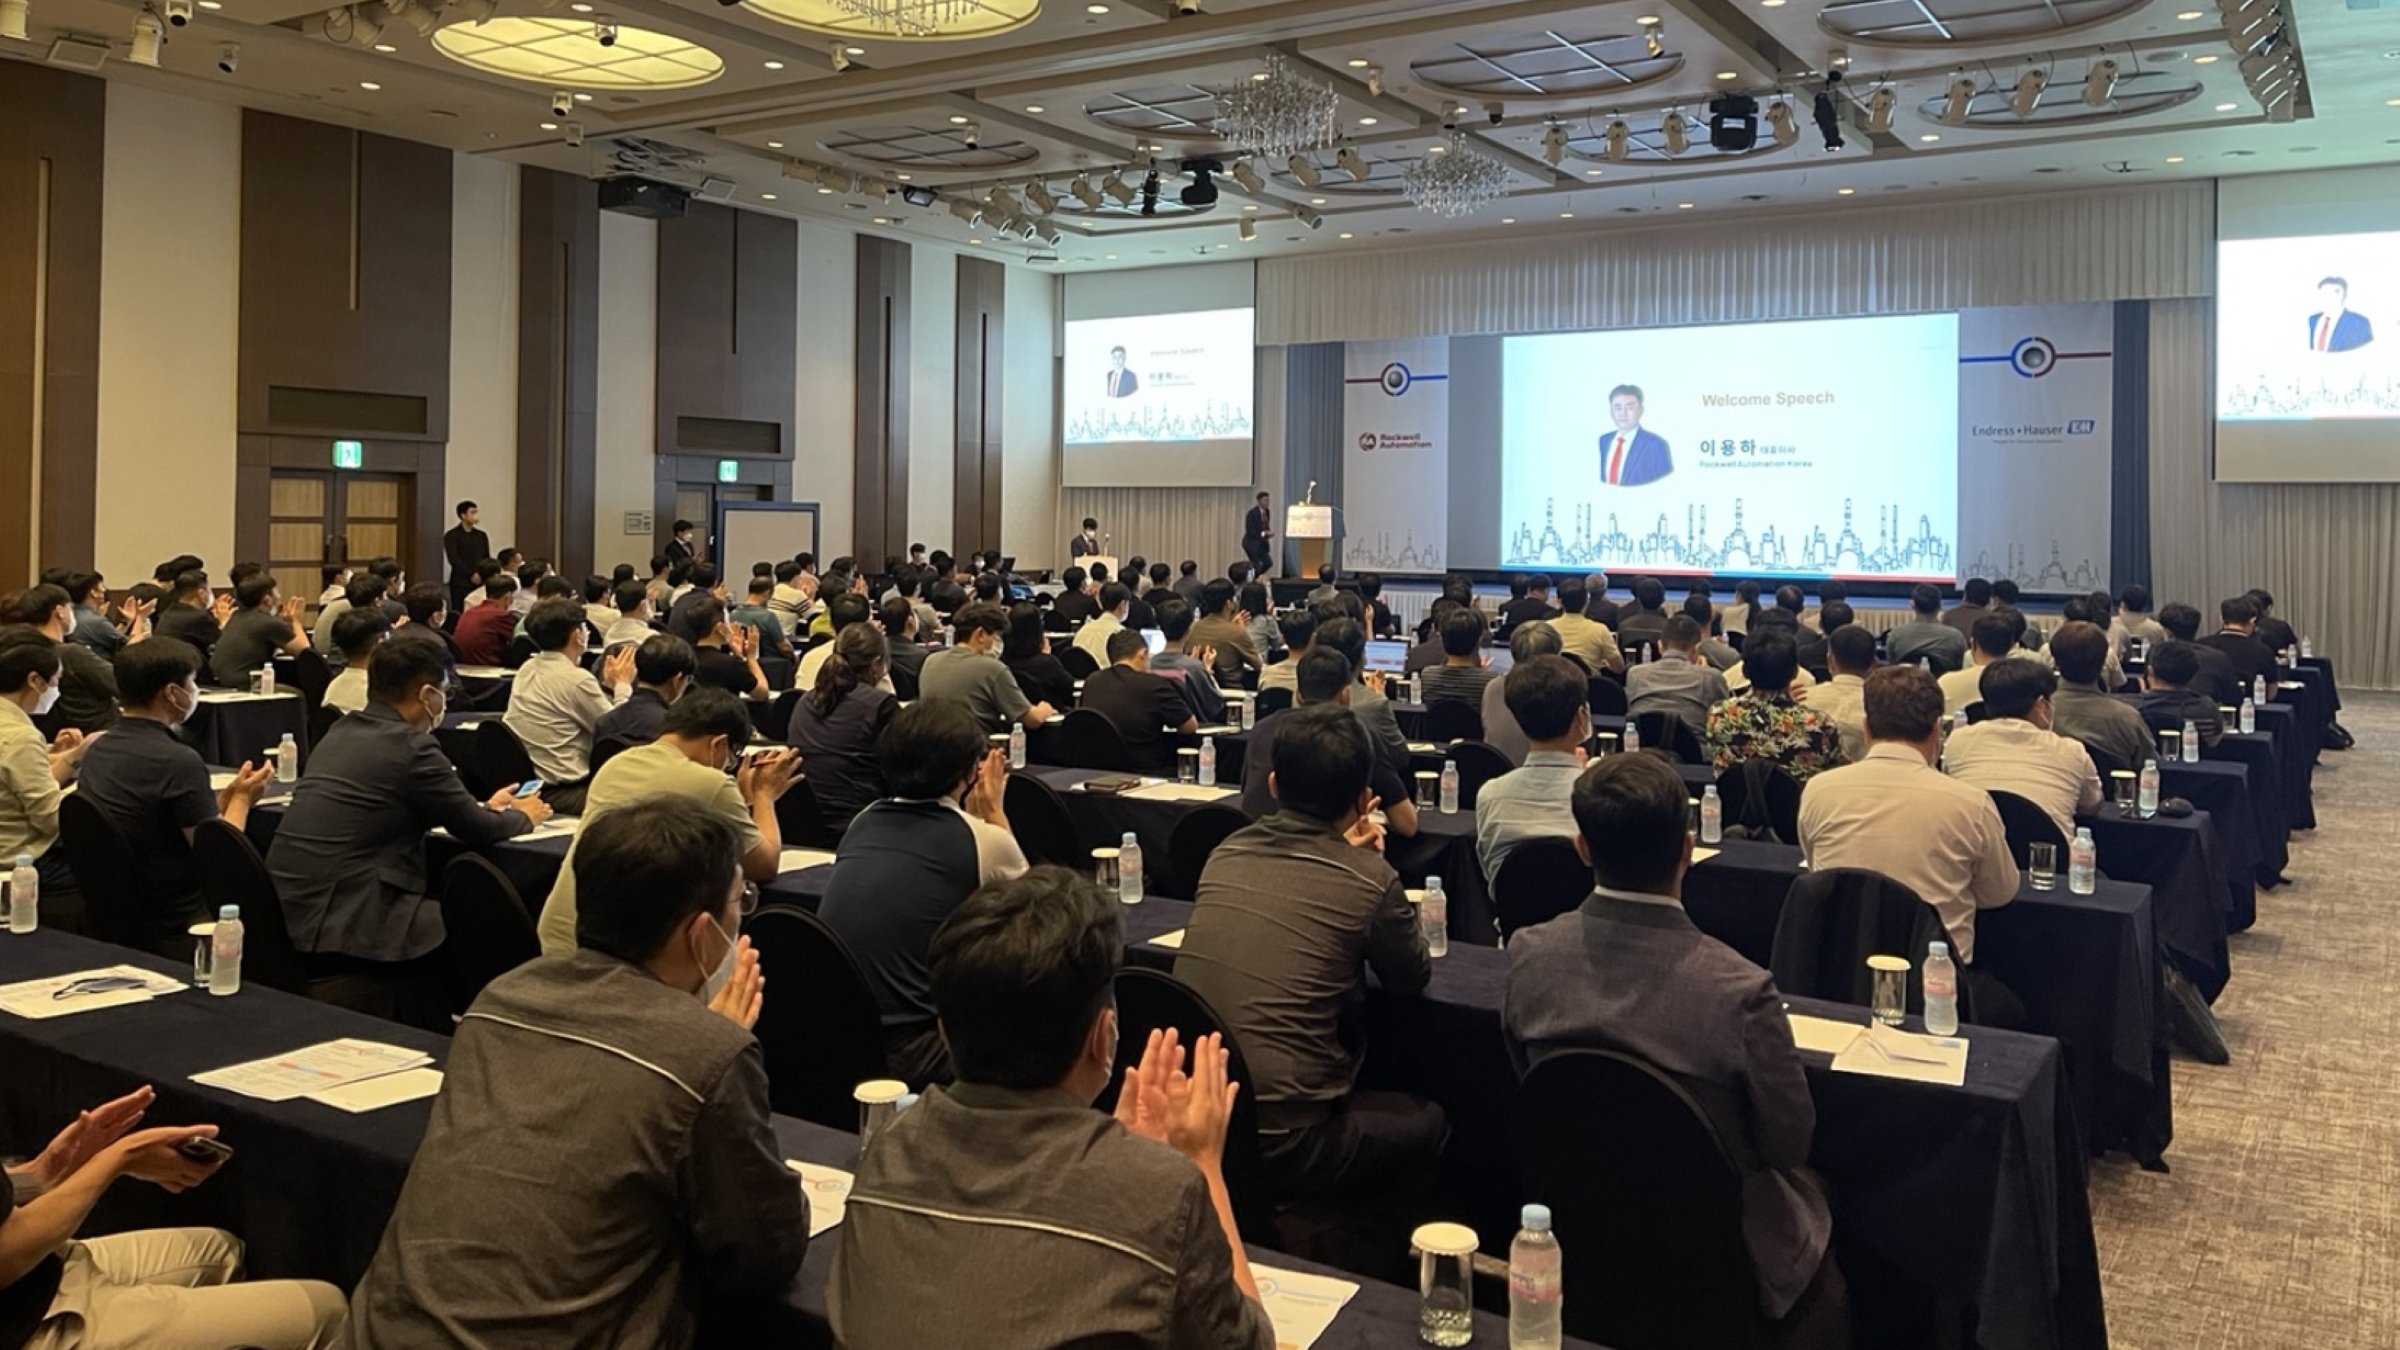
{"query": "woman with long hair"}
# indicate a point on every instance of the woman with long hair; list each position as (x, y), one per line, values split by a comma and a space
(835, 724)
(1025, 650)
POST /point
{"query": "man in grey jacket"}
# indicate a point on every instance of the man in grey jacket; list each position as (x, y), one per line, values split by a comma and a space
(600, 1167)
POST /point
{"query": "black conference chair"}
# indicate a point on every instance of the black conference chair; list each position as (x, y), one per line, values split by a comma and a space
(1666, 732)
(1646, 1201)
(2027, 825)
(1076, 660)
(802, 820)
(1273, 701)
(1779, 810)
(1041, 823)
(820, 1032)
(1834, 918)
(232, 873)
(1451, 720)
(487, 932)
(1478, 763)
(520, 651)
(1735, 640)
(1608, 696)
(320, 720)
(309, 675)
(1088, 740)
(774, 719)
(500, 758)
(106, 873)
(1152, 1000)
(1540, 881)
(1196, 836)
(2105, 762)
(1974, 712)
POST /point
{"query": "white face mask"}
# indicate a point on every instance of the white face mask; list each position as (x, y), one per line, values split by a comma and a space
(190, 704)
(722, 974)
(47, 701)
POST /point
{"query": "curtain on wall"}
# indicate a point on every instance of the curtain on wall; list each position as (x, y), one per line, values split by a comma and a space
(1879, 258)
(2328, 551)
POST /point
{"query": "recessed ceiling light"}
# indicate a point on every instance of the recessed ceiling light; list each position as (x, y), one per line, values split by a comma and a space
(2174, 159)
(1033, 107)
(854, 51)
(386, 48)
(2205, 59)
(212, 4)
(1224, 246)
(1566, 215)
(958, 119)
(2229, 107)
(774, 145)
(583, 98)
(824, 192)
(1108, 257)
(1727, 75)
(1683, 206)
(1360, 63)
(1366, 121)
(2188, 15)
(1929, 138)
(1316, 201)
(1591, 173)
(1345, 235)
(766, 196)
(1095, 9)
(580, 7)
(1771, 4)
(1158, 149)
(883, 220)
(1251, 207)
(1508, 220)
(901, 176)
(369, 85)
(549, 126)
(1437, 149)
(774, 65)
(1647, 20)
(1844, 192)
(2392, 103)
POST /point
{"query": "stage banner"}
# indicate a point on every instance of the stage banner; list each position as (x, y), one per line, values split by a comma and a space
(1396, 455)
(2036, 392)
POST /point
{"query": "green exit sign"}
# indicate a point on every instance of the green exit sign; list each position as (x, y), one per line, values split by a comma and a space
(729, 471)
(349, 454)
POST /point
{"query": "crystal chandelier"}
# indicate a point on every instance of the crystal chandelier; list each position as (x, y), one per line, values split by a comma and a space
(1453, 178)
(915, 18)
(1279, 111)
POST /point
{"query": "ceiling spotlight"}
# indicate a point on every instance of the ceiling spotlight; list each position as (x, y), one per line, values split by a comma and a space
(1959, 100)
(1150, 186)
(340, 25)
(839, 55)
(1001, 201)
(1828, 115)
(1375, 81)
(367, 24)
(1554, 144)
(574, 135)
(1309, 218)
(1248, 177)
(967, 210)
(1304, 169)
(425, 18)
(604, 31)
(2028, 95)
(178, 12)
(972, 133)
(1652, 42)
(1049, 234)
(2100, 83)
(562, 103)
(1617, 141)
(1083, 191)
(1779, 121)
(229, 57)
(1246, 231)
(1353, 163)
(1880, 106)
(1039, 194)
(1117, 189)
(1675, 132)
(149, 35)
(12, 19)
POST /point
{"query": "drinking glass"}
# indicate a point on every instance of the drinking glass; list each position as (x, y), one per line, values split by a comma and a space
(1104, 870)
(1610, 741)
(1187, 765)
(2042, 862)
(1445, 1283)
(2170, 744)
(1429, 790)
(878, 1101)
(2121, 783)
(204, 951)
(1891, 988)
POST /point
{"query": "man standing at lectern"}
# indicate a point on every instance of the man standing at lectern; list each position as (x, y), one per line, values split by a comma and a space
(1257, 530)
(1630, 456)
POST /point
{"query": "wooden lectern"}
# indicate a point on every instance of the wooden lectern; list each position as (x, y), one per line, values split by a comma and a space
(1312, 527)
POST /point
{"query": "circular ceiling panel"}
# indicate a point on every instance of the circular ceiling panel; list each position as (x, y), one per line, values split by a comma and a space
(568, 54)
(1964, 23)
(1532, 67)
(901, 20)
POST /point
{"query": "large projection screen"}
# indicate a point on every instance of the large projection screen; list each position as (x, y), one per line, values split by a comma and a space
(1158, 387)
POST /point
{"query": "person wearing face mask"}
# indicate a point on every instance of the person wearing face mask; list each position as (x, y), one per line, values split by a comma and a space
(969, 672)
(555, 707)
(155, 789)
(599, 1168)
(87, 688)
(33, 772)
(907, 861)
(698, 747)
(349, 854)
(1004, 1211)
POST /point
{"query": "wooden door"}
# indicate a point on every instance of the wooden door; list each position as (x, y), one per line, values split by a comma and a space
(315, 517)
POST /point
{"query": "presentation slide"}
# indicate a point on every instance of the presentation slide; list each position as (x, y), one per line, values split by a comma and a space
(1806, 449)
(2308, 328)
(1158, 389)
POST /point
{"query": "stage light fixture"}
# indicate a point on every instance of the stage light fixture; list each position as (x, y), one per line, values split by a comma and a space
(1248, 177)
(1375, 81)
(1202, 190)
(1039, 194)
(917, 196)
(2028, 93)
(1652, 43)
(2100, 83)
(1308, 218)
(1617, 141)
(1117, 189)
(1779, 121)
(426, 19)
(972, 133)
(366, 25)
(1880, 106)
(836, 54)
(967, 209)
(1304, 169)
(1083, 191)
(149, 37)
(1247, 231)
(1002, 202)
(1733, 123)
(229, 58)
(1554, 144)
(1675, 131)
(1827, 114)
(13, 14)
(1353, 163)
(1150, 187)
(1956, 104)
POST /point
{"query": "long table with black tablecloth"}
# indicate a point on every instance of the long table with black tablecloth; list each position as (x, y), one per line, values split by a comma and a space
(231, 726)
(310, 1187)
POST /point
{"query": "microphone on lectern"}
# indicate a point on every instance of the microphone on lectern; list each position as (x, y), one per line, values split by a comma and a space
(1309, 498)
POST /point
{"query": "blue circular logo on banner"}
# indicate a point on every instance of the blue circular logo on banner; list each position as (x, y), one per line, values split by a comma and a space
(1395, 379)
(2033, 357)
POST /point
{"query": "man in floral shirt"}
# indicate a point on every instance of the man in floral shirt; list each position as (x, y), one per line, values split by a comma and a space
(1765, 722)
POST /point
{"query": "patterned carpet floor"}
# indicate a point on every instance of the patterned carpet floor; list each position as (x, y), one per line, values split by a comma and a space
(2280, 1224)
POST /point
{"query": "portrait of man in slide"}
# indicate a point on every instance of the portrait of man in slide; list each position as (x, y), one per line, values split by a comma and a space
(1630, 456)
(1121, 382)
(2334, 327)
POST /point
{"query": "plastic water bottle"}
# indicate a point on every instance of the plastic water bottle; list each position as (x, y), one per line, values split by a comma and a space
(1016, 746)
(2308, 648)
(1129, 869)
(1712, 816)
(1535, 1297)
(1208, 761)
(24, 896)
(287, 760)
(2191, 741)
(266, 678)
(225, 952)
(2249, 721)
(1633, 736)
(1248, 714)
(1434, 916)
(1941, 990)
(1449, 787)
(2146, 795)
(2258, 688)
(2083, 863)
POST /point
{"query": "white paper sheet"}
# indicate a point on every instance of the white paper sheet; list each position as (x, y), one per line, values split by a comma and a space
(31, 999)
(312, 1068)
(485, 672)
(373, 1094)
(1703, 854)
(242, 696)
(1216, 729)
(1301, 1306)
(1823, 1034)
(1174, 939)
(1180, 792)
(1888, 1052)
(794, 859)
(1423, 748)
(828, 1191)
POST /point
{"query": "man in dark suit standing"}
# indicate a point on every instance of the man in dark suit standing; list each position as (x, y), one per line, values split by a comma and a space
(2334, 328)
(2238, 640)
(462, 548)
(1086, 544)
(1257, 529)
(1628, 971)
(1630, 456)
(679, 545)
(1121, 382)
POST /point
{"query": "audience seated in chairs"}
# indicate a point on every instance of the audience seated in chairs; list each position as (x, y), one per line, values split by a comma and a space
(2168, 699)
(1679, 682)
(1144, 708)
(727, 659)
(904, 654)
(706, 731)
(263, 623)
(484, 629)
(1324, 679)
(663, 667)
(841, 612)
(632, 626)
(836, 725)
(554, 705)
(33, 772)
(1051, 1222)
(1194, 673)
(754, 612)
(1546, 696)
(599, 1164)
(1993, 638)
(1500, 729)
(2080, 708)
(87, 687)
(1297, 630)
(1348, 639)
(1218, 627)
(2015, 750)
(907, 861)
(1849, 659)
(348, 860)
(1464, 671)
(1924, 636)
(1764, 720)
(1025, 650)
(356, 635)
(1629, 972)
(969, 671)
(154, 790)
